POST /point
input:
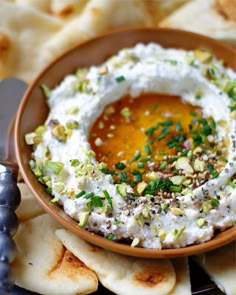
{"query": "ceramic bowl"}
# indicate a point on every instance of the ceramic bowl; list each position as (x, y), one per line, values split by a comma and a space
(33, 112)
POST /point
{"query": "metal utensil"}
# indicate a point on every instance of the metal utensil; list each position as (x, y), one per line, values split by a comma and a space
(11, 91)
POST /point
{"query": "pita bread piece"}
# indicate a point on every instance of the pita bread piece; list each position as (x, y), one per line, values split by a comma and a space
(183, 284)
(23, 34)
(121, 274)
(220, 265)
(43, 265)
(29, 207)
(214, 18)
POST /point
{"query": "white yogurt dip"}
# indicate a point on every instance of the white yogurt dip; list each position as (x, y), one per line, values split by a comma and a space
(64, 162)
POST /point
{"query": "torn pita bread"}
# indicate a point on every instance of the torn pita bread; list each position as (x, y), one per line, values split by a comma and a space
(43, 265)
(183, 284)
(220, 264)
(122, 274)
(43, 29)
(214, 18)
(29, 207)
(23, 36)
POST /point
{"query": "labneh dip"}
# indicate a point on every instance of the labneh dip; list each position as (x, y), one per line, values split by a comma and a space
(179, 187)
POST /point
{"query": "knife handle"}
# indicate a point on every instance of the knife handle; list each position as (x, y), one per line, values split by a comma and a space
(9, 201)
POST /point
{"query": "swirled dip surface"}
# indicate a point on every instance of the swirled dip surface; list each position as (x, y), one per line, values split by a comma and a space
(175, 199)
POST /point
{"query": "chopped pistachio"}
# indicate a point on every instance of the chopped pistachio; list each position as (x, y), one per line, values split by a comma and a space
(121, 189)
(59, 132)
(46, 90)
(203, 55)
(176, 211)
(29, 138)
(140, 220)
(141, 187)
(54, 200)
(55, 167)
(83, 218)
(40, 129)
(135, 242)
(183, 164)
(161, 234)
(72, 124)
(206, 207)
(201, 222)
(72, 111)
(199, 165)
(103, 70)
(146, 212)
(59, 187)
(177, 179)
(125, 112)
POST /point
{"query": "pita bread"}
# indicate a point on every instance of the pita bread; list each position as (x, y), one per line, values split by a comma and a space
(43, 29)
(214, 18)
(29, 207)
(122, 274)
(183, 284)
(220, 264)
(43, 265)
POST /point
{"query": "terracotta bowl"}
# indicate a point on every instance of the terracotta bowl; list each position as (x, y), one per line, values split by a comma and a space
(33, 112)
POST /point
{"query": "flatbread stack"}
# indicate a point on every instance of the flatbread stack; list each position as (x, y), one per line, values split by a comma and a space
(52, 260)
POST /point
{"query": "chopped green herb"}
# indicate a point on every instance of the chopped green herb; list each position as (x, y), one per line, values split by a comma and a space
(214, 202)
(179, 127)
(108, 198)
(147, 149)
(111, 237)
(120, 166)
(211, 170)
(120, 79)
(80, 194)
(96, 201)
(136, 157)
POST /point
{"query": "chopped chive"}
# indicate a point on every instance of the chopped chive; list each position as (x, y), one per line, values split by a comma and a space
(211, 170)
(149, 141)
(48, 190)
(80, 194)
(111, 237)
(89, 195)
(120, 79)
(96, 201)
(108, 198)
(224, 159)
(147, 149)
(150, 130)
(125, 112)
(107, 171)
(145, 159)
(155, 106)
(120, 166)
(214, 202)
(179, 127)
(136, 157)
(140, 165)
(167, 123)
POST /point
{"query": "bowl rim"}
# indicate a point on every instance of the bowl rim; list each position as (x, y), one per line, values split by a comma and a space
(219, 240)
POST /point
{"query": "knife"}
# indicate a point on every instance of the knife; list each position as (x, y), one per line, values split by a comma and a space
(11, 92)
